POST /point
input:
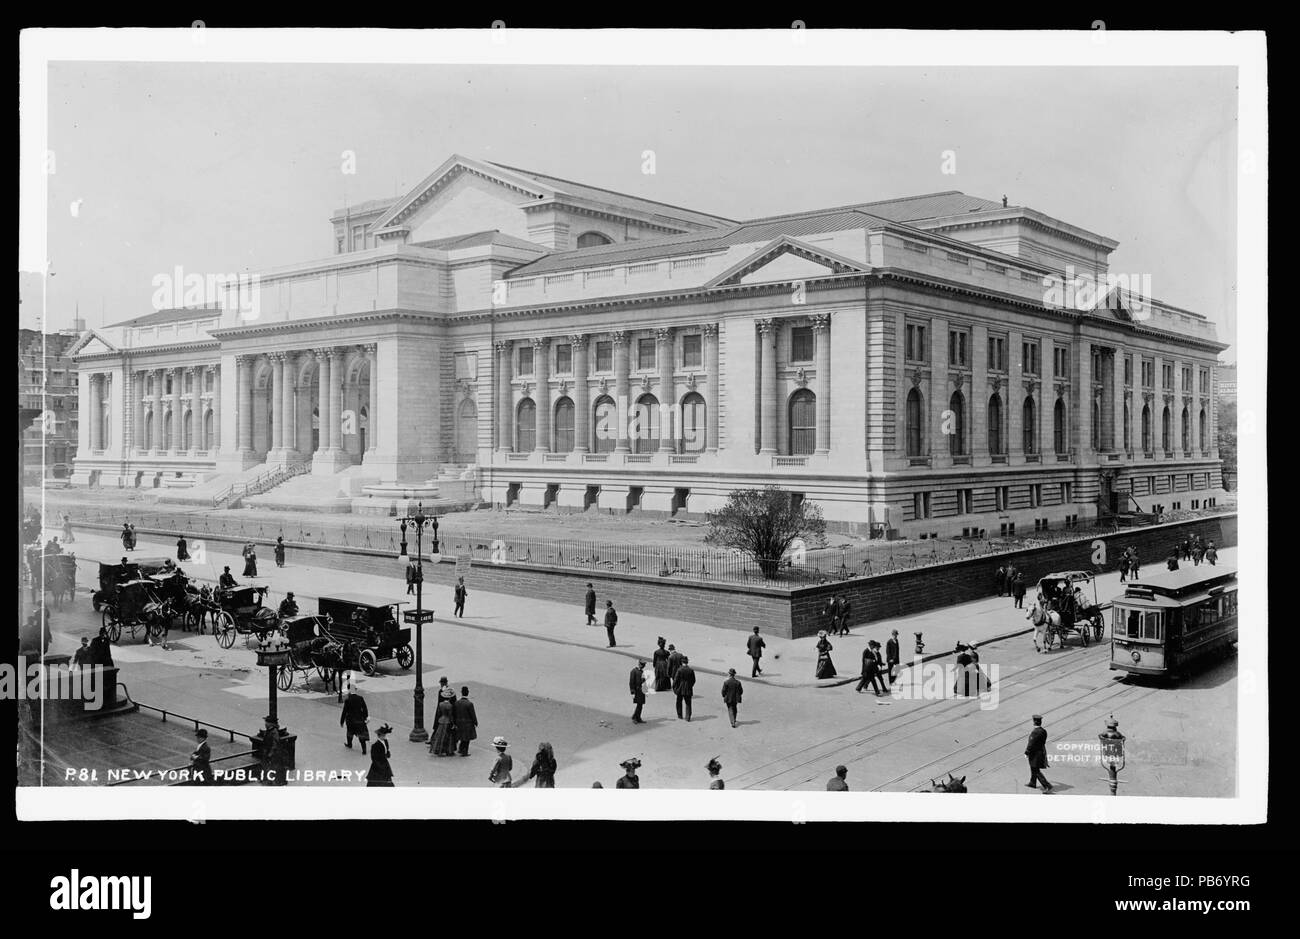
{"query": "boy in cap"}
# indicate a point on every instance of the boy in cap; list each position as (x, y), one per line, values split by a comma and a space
(500, 775)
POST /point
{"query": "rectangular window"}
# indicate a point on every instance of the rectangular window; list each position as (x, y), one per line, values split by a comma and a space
(997, 354)
(1148, 373)
(965, 501)
(801, 344)
(957, 353)
(1035, 495)
(1067, 493)
(645, 354)
(1128, 371)
(692, 351)
(1001, 495)
(1029, 358)
(1187, 378)
(526, 360)
(1061, 358)
(358, 238)
(916, 351)
(604, 356)
(564, 359)
(921, 504)
(1167, 377)
(1205, 381)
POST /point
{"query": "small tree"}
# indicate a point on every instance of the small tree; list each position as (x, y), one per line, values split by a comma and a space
(764, 523)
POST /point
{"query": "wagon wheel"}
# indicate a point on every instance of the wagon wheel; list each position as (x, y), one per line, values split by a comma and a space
(323, 673)
(109, 618)
(405, 656)
(369, 663)
(284, 680)
(1099, 628)
(224, 629)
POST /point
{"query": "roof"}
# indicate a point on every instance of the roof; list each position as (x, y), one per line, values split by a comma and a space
(1184, 579)
(582, 190)
(759, 231)
(361, 208)
(919, 208)
(362, 599)
(176, 315)
(478, 239)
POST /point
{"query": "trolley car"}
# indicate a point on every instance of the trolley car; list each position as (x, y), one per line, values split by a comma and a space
(1168, 624)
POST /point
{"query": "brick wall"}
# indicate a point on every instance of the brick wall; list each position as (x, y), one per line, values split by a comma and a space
(790, 614)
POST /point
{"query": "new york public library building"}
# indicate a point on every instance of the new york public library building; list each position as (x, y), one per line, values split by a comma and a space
(932, 365)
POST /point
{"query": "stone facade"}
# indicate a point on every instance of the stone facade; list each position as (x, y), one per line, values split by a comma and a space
(922, 365)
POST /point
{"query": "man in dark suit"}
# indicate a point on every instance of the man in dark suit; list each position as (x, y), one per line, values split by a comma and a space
(731, 694)
(684, 686)
(675, 659)
(591, 605)
(227, 579)
(756, 646)
(381, 771)
(636, 686)
(201, 760)
(353, 718)
(844, 616)
(1036, 751)
(101, 649)
(460, 594)
(465, 719)
(870, 672)
(891, 656)
(838, 783)
(611, 620)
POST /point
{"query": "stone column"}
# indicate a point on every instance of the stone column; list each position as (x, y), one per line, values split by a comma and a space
(244, 378)
(542, 372)
(1013, 399)
(96, 413)
(372, 416)
(137, 398)
(155, 400)
(324, 399)
(505, 402)
(1118, 359)
(821, 327)
(977, 402)
(196, 409)
(711, 363)
(178, 410)
(622, 391)
(336, 399)
(216, 409)
(934, 439)
(276, 394)
(767, 440)
(288, 402)
(1158, 408)
(664, 349)
(1047, 416)
(582, 417)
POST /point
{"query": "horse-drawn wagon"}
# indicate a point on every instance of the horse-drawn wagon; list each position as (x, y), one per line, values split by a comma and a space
(368, 625)
(112, 575)
(1063, 607)
(135, 606)
(312, 648)
(243, 613)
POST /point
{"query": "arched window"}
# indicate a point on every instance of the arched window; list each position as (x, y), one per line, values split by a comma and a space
(467, 429)
(1060, 438)
(1128, 427)
(1029, 422)
(187, 434)
(694, 428)
(643, 428)
(592, 239)
(169, 424)
(915, 418)
(1146, 428)
(1187, 428)
(604, 436)
(1166, 430)
(148, 431)
(803, 422)
(1096, 424)
(995, 425)
(957, 428)
(526, 424)
(564, 426)
(207, 430)
(1203, 430)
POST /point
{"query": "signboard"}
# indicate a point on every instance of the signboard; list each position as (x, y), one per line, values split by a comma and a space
(462, 566)
(417, 616)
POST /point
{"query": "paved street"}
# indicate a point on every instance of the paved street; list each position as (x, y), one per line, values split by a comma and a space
(548, 677)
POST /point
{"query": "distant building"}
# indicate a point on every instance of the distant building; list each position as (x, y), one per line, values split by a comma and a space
(1226, 388)
(47, 383)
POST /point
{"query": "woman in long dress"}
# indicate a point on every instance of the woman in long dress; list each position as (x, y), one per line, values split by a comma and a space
(440, 744)
(660, 661)
(825, 667)
(543, 768)
(250, 563)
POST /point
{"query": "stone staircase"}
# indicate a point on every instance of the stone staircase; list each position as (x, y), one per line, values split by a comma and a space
(333, 493)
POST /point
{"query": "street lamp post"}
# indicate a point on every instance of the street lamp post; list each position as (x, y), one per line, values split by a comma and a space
(1112, 753)
(418, 521)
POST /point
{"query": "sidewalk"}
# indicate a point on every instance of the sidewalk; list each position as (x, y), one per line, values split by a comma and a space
(786, 663)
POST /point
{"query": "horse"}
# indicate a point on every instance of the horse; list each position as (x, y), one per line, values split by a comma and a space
(1046, 622)
(949, 785)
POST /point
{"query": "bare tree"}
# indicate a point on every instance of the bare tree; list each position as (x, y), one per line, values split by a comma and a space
(764, 523)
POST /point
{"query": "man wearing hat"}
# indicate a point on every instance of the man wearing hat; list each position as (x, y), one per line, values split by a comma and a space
(891, 656)
(1036, 751)
(381, 771)
(289, 606)
(611, 620)
(500, 775)
(353, 719)
(465, 719)
(731, 693)
(636, 685)
(837, 783)
(755, 646)
(629, 780)
(201, 760)
(675, 659)
(271, 758)
(684, 686)
(591, 605)
(227, 579)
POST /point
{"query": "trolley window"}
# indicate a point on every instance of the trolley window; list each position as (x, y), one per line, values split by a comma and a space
(1143, 624)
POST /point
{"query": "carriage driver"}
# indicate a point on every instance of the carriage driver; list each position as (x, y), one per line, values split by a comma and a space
(288, 606)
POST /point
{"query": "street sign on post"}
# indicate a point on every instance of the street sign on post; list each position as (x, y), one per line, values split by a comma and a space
(417, 616)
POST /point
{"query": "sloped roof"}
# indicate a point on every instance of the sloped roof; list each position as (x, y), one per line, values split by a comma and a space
(176, 315)
(478, 239)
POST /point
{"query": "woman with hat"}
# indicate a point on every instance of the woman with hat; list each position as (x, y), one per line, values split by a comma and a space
(543, 768)
(714, 768)
(381, 771)
(441, 742)
(825, 667)
(660, 658)
(630, 780)
(250, 562)
(500, 775)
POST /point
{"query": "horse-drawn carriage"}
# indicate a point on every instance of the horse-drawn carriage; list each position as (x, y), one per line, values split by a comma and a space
(312, 648)
(1062, 607)
(51, 572)
(243, 613)
(113, 575)
(136, 606)
(368, 626)
(185, 602)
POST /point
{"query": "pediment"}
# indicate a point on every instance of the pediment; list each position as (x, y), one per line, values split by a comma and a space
(477, 192)
(785, 259)
(92, 342)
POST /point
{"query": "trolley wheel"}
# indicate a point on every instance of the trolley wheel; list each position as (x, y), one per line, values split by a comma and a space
(224, 628)
(405, 656)
(284, 680)
(369, 663)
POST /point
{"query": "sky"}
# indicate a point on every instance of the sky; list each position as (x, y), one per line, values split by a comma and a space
(228, 168)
